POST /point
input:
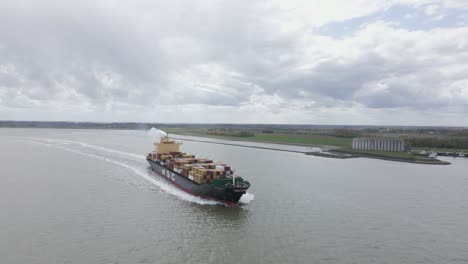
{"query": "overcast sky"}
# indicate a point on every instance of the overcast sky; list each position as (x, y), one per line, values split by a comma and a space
(395, 62)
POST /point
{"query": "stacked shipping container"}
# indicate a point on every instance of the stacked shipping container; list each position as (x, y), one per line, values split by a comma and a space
(196, 169)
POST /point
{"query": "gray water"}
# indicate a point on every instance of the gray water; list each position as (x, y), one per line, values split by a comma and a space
(87, 196)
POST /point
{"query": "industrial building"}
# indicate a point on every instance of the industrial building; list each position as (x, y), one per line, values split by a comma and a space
(381, 144)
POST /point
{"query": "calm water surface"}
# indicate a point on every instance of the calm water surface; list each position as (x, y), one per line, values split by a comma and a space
(87, 196)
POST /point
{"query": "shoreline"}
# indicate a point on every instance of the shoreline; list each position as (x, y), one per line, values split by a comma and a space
(415, 160)
(334, 153)
(326, 147)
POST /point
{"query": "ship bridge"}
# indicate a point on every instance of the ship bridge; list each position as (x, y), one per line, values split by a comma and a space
(167, 145)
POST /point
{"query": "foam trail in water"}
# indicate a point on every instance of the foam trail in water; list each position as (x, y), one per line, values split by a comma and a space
(247, 198)
(147, 175)
(86, 145)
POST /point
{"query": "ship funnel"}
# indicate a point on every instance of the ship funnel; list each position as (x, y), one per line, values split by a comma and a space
(156, 134)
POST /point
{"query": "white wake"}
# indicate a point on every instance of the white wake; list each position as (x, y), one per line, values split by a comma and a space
(82, 148)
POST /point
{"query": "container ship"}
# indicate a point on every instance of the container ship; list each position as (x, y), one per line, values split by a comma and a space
(197, 176)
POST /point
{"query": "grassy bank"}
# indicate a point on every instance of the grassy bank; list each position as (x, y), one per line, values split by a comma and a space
(441, 150)
(376, 152)
(338, 144)
(392, 156)
(313, 140)
(281, 138)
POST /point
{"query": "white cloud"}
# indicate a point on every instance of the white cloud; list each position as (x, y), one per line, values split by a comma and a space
(223, 61)
(431, 10)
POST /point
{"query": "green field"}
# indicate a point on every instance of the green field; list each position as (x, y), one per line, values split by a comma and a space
(185, 131)
(340, 144)
(284, 138)
(315, 140)
(292, 137)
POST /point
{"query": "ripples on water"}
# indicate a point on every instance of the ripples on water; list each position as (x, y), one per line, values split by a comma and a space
(88, 196)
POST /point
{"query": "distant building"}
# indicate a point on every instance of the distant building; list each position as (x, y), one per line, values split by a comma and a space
(381, 144)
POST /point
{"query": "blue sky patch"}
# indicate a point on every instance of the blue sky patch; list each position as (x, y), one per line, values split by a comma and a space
(403, 16)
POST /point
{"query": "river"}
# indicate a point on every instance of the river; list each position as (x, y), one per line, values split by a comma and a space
(88, 196)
